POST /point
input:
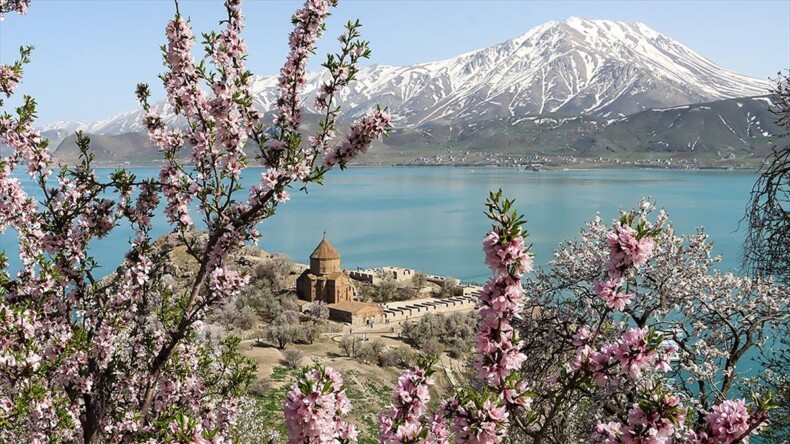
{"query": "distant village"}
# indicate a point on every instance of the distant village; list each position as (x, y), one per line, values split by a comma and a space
(537, 162)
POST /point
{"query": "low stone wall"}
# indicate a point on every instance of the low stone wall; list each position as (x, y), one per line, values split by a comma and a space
(439, 280)
(398, 312)
(363, 276)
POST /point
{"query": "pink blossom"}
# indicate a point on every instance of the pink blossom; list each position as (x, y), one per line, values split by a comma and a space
(9, 80)
(490, 248)
(479, 424)
(498, 345)
(655, 422)
(609, 433)
(728, 421)
(607, 291)
(514, 254)
(626, 250)
(225, 282)
(308, 26)
(406, 419)
(582, 336)
(363, 133)
(314, 406)
(19, 6)
(500, 256)
(632, 352)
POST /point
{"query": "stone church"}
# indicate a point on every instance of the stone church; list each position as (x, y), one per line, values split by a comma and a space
(325, 280)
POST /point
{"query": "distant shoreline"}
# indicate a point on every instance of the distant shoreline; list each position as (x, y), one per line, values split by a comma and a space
(492, 166)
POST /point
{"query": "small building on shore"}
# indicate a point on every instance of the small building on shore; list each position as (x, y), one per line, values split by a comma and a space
(324, 280)
(356, 313)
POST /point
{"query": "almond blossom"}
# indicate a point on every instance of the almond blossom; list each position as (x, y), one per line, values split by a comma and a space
(627, 248)
(654, 420)
(728, 421)
(314, 408)
(484, 417)
(607, 290)
(406, 421)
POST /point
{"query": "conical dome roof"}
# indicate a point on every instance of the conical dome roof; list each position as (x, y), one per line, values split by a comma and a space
(325, 250)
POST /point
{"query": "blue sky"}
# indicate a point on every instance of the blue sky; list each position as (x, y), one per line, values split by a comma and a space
(91, 53)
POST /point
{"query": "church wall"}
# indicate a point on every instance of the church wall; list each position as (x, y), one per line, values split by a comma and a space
(329, 293)
(315, 266)
(343, 291)
(332, 265)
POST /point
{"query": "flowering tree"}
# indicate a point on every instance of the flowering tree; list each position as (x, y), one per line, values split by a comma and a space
(708, 322)
(118, 359)
(766, 250)
(614, 381)
(19, 6)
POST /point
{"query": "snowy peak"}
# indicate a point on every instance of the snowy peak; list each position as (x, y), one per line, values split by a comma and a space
(608, 28)
(576, 66)
(613, 43)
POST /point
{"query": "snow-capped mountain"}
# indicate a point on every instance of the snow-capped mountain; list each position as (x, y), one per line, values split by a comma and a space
(578, 66)
(128, 122)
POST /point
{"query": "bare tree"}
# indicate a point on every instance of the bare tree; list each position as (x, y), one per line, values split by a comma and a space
(766, 252)
(351, 345)
(274, 271)
(293, 358)
(284, 329)
(310, 331)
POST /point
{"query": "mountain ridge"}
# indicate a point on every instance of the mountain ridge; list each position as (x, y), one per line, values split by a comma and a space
(731, 133)
(576, 66)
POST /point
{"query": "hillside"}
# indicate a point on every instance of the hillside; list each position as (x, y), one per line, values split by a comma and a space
(725, 133)
(736, 130)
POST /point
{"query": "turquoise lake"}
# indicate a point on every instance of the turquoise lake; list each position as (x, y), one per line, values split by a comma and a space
(431, 218)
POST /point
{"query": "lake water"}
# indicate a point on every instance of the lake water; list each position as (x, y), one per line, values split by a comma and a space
(431, 218)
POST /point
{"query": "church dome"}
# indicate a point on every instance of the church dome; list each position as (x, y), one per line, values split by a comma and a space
(325, 250)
